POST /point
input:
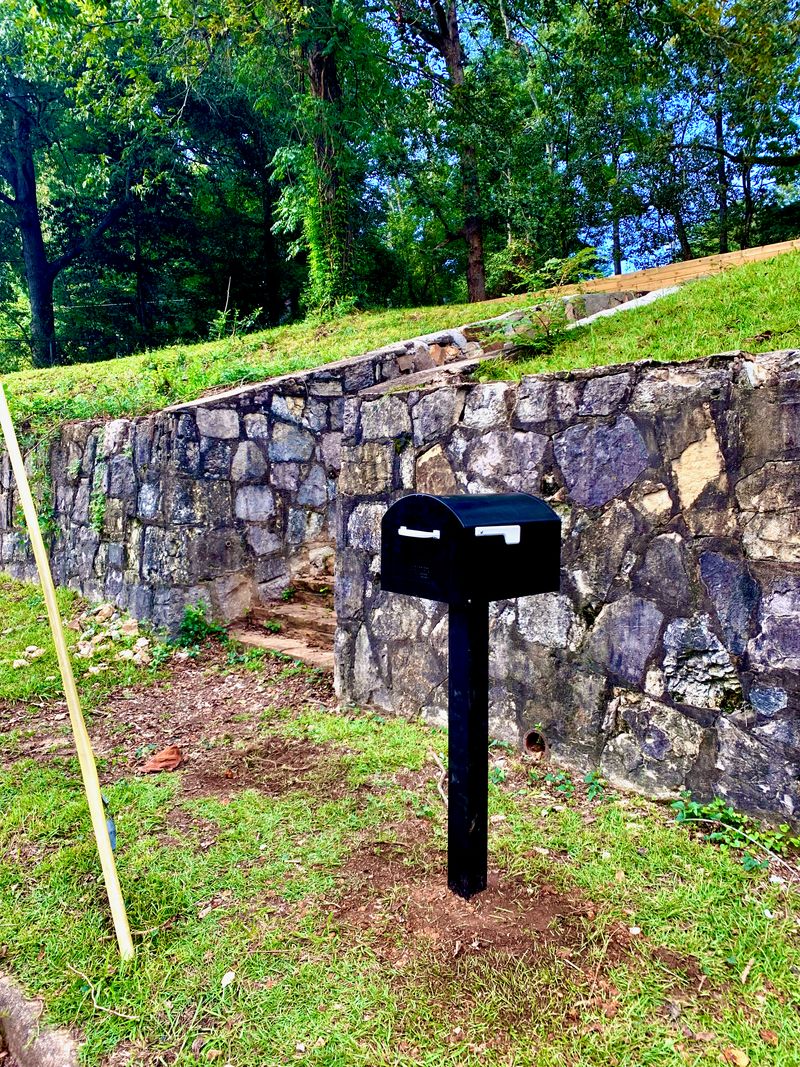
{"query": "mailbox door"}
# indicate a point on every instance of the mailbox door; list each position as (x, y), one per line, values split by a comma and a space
(513, 560)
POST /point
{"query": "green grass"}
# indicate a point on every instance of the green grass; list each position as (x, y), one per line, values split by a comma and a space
(24, 625)
(755, 308)
(250, 883)
(42, 399)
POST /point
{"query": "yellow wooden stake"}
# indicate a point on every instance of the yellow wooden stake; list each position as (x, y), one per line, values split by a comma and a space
(91, 782)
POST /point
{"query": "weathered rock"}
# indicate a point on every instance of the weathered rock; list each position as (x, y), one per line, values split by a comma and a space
(488, 406)
(549, 620)
(768, 700)
(777, 644)
(254, 503)
(434, 473)
(656, 749)
(599, 461)
(434, 414)
(215, 458)
(663, 575)
(367, 470)
(754, 775)
(388, 417)
(734, 595)
(697, 668)
(249, 464)
(603, 396)
(217, 422)
(497, 457)
(314, 491)
(700, 465)
(624, 637)
(290, 442)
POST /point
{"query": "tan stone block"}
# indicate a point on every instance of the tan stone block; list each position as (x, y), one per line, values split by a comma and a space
(434, 473)
(366, 469)
(697, 467)
(657, 504)
(773, 536)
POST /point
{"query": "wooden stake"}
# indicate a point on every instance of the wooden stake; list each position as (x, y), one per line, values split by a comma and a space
(91, 782)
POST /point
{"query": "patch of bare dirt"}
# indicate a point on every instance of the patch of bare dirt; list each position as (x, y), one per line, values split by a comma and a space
(216, 718)
(397, 889)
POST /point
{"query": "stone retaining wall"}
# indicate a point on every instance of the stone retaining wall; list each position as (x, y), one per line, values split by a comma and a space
(671, 657)
(218, 500)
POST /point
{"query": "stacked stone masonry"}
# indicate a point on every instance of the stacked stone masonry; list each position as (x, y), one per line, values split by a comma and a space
(221, 500)
(670, 658)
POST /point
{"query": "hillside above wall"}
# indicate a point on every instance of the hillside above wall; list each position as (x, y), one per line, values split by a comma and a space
(752, 308)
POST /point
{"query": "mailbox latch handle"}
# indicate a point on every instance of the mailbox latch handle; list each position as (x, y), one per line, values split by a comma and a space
(510, 534)
(406, 531)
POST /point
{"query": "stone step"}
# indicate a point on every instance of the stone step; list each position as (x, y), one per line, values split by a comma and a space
(296, 615)
(294, 646)
(316, 585)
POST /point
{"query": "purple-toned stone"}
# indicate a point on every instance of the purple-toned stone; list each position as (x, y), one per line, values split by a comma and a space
(600, 461)
(734, 595)
(624, 637)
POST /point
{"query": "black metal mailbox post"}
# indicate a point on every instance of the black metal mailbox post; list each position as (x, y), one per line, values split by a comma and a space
(466, 551)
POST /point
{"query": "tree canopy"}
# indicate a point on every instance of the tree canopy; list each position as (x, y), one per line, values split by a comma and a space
(167, 168)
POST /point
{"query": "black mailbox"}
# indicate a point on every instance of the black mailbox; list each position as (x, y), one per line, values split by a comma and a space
(466, 551)
(460, 548)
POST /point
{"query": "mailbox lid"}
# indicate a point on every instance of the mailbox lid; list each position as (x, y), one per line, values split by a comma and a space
(498, 509)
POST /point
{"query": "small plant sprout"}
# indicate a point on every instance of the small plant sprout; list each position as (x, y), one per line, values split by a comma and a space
(561, 783)
(734, 830)
(595, 785)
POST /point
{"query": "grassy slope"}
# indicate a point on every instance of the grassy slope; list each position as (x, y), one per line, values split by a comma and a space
(752, 307)
(312, 989)
(138, 384)
(755, 308)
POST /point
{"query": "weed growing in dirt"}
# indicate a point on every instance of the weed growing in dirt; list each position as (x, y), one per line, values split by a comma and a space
(196, 627)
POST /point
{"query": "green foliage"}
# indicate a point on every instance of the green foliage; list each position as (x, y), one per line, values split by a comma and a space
(97, 510)
(196, 628)
(734, 830)
(561, 782)
(595, 785)
(230, 322)
(288, 594)
(272, 626)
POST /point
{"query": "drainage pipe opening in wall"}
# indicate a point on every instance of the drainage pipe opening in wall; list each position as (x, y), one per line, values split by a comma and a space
(535, 744)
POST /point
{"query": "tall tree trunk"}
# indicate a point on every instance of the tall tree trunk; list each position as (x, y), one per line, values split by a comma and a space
(450, 47)
(722, 181)
(331, 259)
(616, 245)
(680, 233)
(19, 168)
(616, 248)
(749, 205)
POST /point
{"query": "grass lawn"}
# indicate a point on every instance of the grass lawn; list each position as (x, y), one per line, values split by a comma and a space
(42, 399)
(286, 890)
(755, 307)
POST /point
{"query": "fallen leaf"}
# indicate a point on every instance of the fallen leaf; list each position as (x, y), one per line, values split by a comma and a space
(769, 1036)
(705, 1035)
(736, 1057)
(227, 978)
(166, 760)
